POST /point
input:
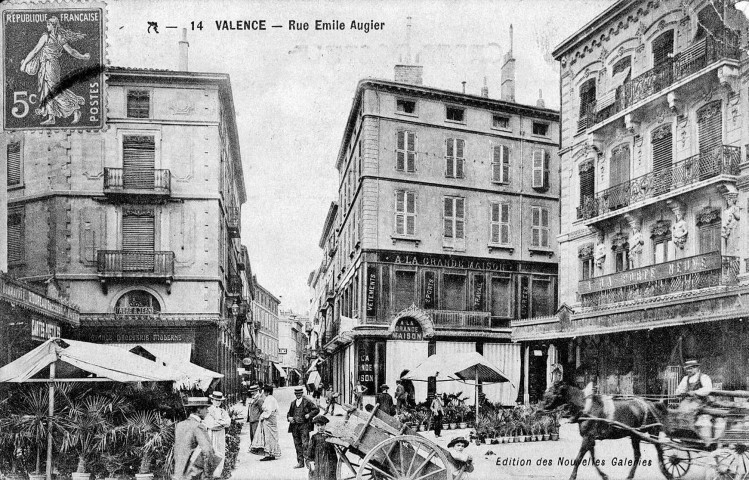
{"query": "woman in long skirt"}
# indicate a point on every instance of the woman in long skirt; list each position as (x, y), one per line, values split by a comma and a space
(269, 425)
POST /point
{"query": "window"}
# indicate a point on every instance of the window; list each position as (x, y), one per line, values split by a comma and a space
(709, 21)
(622, 65)
(138, 238)
(405, 106)
(661, 144)
(454, 157)
(587, 96)
(542, 297)
(620, 246)
(405, 289)
(500, 164)
(137, 302)
(405, 212)
(138, 103)
(587, 271)
(540, 227)
(587, 189)
(708, 225)
(405, 157)
(454, 222)
(501, 300)
(663, 49)
(540, 169)
(455, 114)
(500, 121)
(454, 292)
(138, 160)
(16, 244)
(500, 223)
(540, 129)
(663, 247)
(14, 163)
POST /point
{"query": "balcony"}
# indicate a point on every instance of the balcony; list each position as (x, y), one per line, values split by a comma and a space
(676, 179)
(234, 285)
(233, 222)
(459, 319)
(633, 93)
(683, 275)
(113, 264)
(145, 182)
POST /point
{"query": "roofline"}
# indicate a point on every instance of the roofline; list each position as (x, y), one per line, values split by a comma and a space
(597, 22)
(329, 220)
(257, 284)
(223, 81)
(458, 97)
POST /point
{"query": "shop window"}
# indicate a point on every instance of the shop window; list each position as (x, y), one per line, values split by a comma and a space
(501, 296)
(137, 302)
(542, 297)
(405, 289)
(454, 292)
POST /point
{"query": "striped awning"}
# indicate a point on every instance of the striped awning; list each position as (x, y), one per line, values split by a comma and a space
(280, 370)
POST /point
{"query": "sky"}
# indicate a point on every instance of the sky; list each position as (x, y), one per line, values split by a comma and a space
(293, 89)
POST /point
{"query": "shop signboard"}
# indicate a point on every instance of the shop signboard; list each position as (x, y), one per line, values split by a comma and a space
(44, 329)
(430, 285)
(407, 329)
(371, 291)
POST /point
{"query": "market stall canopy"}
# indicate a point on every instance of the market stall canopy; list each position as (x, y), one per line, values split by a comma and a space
(194, 376)
(71, 356)
(281, 371)
(458, 366)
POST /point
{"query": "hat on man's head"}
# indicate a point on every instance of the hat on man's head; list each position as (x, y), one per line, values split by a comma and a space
(456, 441)
(320, 420)
(299, 390)
(691, 363)
(254, 388)
(216, 395)
(384, 387)
(196, 402)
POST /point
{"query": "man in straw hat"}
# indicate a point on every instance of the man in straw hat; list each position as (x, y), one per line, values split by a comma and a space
(217, 421)
(301, 412)
(254, 409)
(191, 442)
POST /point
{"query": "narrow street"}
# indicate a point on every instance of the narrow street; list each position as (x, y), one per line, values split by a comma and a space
(538, 460)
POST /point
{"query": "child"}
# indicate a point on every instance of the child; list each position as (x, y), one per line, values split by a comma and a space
(321, 457)
(462, 460)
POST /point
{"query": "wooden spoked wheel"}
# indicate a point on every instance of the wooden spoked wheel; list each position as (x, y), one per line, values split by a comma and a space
(674, 462)
(406, 457)
(347, 467)
(732, 463)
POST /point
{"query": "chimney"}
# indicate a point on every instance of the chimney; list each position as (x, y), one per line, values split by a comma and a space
(508, 75)
(464, 86)
(540, 102)
(485, 90)
(183, 47)
(407, 73)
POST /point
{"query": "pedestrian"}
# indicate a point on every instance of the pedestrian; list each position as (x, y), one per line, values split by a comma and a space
(254, 410)
(385, 401)
(191, 442)
(331, 399)
(462, 460)
(321, 455)
(438, 409)
(359, 391)
(301, 413)
(269, 425)
(317, 393)
(400, 397)
(217, 420)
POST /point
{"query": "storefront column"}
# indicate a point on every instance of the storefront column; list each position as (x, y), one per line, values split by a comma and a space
(526, 360)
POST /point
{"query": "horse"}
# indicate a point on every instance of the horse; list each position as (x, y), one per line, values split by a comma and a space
(634, 418)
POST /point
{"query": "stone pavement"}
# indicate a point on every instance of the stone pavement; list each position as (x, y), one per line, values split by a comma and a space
(535, 460)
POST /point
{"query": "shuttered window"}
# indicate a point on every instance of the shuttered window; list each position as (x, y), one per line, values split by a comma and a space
(542, 297)
(406, 152)
(539, 227)
(587, 183)
(454, 296)
(587, 96)
(619, 170)
(16, 251)
(500, 164)
(138, 103)
(14, 163)
(454, 157)
(138, 160)
(662, 144)
(501, 301)
(500, 223)
(710, 126)
(405, 212)
(710, 238)
(663, 47)
(540, 169)
(138, 240)
(454, 218)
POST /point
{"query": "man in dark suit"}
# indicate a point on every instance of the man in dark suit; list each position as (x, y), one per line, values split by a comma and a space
(191, 442)
(385, 400)
(301, 413)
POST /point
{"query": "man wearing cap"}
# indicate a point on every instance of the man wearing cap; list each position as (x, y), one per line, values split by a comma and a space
(321, 456)
(696, 386)
(254, 409)
(301, 412)
(217, 421)
(461, 459)
(385, 400)
(191, 442)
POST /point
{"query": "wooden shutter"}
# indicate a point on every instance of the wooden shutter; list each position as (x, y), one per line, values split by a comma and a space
(400, 160)
(14, 163)
(587, 95)
(15, 237)
(663, 46)
(459, 157)
(662, 144)
(138, 233)
(538, 168)
(587, 183)
(710, 238)
(138, 160)
(410, 212)
(710, 125)
(619, 169)
(400, 217)
(448, 217)
(459, 217)
(504, 223)
(410, 152)
(500, 164)
(495, 214)
(138, 103)
(547, 162)
(535, 226)
(450, 157)
(544, 227)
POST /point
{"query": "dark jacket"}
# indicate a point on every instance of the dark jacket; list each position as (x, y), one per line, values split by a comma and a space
(309, 412)
(386, 403)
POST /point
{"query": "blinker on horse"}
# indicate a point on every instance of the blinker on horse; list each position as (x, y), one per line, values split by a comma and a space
(598, 417)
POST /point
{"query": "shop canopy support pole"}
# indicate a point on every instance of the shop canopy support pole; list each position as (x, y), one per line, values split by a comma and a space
(49, 420)
(477, 398)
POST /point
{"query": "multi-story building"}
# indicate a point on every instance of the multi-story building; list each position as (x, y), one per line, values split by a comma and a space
(138, 224)
(265, 317)
(292, 342)
(444, 231)
(250, 359)
(653, 180)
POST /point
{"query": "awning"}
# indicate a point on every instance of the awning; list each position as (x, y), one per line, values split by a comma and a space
(180, 352)
(607, 99)
(313, 365)
(280, 370)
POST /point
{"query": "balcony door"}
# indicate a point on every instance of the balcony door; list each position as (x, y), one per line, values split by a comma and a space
(138, 161)
(662, 145)
(710, 127)
(618, 176)
(138, 240)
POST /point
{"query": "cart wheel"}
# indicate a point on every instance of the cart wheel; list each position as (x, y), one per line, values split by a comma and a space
(405, 457)
(673, 462)
(346, 469)
(732, 463)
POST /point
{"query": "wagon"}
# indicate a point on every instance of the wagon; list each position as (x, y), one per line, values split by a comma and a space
(374, 445)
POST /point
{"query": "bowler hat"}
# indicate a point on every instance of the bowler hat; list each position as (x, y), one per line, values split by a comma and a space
(457, 440)
(384, 387)
(196, 402)
(691, 363)
(320, 420)
(216, 395)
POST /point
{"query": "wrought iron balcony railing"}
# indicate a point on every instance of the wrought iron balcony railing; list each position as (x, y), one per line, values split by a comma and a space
(234, 285)
(460, 319)
(137, 181)
(683, 275)
(233, 222)
(135, 263)
(697, 56)
(721, 160)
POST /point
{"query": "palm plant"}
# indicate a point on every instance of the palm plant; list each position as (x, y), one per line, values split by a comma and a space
(153, 434)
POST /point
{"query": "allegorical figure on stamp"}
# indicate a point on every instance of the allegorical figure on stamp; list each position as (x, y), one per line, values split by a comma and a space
(44, 62)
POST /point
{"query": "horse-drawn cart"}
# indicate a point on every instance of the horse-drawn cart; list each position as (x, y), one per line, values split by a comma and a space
(374, 445)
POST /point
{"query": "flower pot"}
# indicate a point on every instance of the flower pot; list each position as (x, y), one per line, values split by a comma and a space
(15, 476)
(144, 476)
(453, 426)
(37, 476)
(445, 426)
(555, 436)
(527, 438)
(545, 436)
(81, 476)
(463, 425)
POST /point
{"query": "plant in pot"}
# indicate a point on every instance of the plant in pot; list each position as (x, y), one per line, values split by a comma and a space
(554, 426)
(462, 410)
(114, 463)
(483, 428)
(152, 434)
(545, 423)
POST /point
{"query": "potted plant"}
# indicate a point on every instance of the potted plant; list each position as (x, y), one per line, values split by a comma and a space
(483, 428)
(152, 433)
(545, 423)
(114, 463)
(554, 427)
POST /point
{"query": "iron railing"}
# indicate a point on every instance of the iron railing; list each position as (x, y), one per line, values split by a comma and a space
(460, 319)
(135, 263)
(721, 160)
(233, 221)
(234, 284)
(694, 58)
(725, 273)
(117, 180)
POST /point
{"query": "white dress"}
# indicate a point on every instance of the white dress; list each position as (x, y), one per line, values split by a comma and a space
(218, 417)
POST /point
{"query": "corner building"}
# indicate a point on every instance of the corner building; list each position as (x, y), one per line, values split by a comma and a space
(442, 233)
(652, 244)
